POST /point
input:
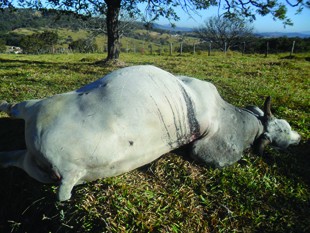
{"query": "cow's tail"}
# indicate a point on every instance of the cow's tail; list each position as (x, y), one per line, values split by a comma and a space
(5, 107)
(14, 110)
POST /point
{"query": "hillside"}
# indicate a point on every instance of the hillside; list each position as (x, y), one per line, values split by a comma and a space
(71, 27)
(28, 18)
(89, 33)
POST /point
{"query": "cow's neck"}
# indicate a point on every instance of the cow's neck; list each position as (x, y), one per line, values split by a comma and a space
(242, 126)
(256, 127)
(229, 135)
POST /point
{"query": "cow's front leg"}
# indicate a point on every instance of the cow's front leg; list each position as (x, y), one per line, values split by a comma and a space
(69, 180)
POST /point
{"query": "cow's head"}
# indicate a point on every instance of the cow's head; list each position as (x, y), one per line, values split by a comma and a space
(277, 132)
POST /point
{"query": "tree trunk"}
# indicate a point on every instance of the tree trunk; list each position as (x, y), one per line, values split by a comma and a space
(113, 9)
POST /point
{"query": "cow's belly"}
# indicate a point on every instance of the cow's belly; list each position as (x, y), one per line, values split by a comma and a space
(110, 145)
(125, 161)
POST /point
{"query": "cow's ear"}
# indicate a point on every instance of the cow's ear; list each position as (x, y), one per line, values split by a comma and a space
(267, 106)
(261, 144)
(255, 111)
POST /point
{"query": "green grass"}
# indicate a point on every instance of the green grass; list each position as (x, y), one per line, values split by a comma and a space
(172, 194)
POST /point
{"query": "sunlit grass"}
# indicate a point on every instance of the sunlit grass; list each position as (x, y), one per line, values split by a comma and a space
(172, 194)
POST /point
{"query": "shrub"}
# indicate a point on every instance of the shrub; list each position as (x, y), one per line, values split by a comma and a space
(83, 46)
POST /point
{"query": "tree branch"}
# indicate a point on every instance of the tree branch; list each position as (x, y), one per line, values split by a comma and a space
(298, 3)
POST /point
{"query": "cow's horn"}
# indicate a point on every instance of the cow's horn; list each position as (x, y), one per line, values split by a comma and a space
(267, 104)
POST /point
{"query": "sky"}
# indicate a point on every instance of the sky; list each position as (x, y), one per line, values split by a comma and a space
(261, 24)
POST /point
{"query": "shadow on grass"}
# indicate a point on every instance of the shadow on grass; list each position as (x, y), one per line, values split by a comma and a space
(29, 206)
(75, 67)
(292, 201)
(294, 163)
(26, 206)
(295, 57)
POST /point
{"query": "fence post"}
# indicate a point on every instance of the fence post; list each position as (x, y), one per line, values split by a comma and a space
(267, 49)
(170, 48)
(151, 49)
(243, 51)
(210, 47)
(194, 48)
(225, 47)
(292, 50)
(181, 48)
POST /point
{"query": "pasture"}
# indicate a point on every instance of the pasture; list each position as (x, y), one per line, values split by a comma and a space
(174, 193)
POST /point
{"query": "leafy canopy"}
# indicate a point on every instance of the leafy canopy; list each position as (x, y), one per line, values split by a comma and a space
(166, 8)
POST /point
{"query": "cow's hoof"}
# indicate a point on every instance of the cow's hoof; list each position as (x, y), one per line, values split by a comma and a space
(64, 196)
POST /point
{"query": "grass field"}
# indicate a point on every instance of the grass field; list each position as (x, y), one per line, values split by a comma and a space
(172, 194)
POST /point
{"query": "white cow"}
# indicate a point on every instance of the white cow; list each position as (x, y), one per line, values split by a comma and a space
(129, 118)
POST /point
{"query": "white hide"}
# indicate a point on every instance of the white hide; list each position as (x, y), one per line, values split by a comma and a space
(118, 123)
(127, 119)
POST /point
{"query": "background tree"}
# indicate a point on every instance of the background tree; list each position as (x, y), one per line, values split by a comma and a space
(225, 32)
(39, 42)
(159, 8)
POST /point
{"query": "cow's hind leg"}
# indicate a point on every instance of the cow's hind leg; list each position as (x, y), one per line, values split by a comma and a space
(69, 180)
(22, 159)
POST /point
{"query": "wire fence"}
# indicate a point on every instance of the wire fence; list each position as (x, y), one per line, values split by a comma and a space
(128, 45)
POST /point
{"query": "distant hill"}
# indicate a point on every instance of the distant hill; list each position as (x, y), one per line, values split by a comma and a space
(305, 34)
(27, 18)
(259, 34)
(283, 34)
(168, 27)
(137, 36)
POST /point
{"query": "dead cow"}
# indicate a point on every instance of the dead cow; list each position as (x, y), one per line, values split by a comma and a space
(131, 117)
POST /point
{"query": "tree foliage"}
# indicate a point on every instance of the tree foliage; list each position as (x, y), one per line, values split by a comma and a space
(39, 42)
